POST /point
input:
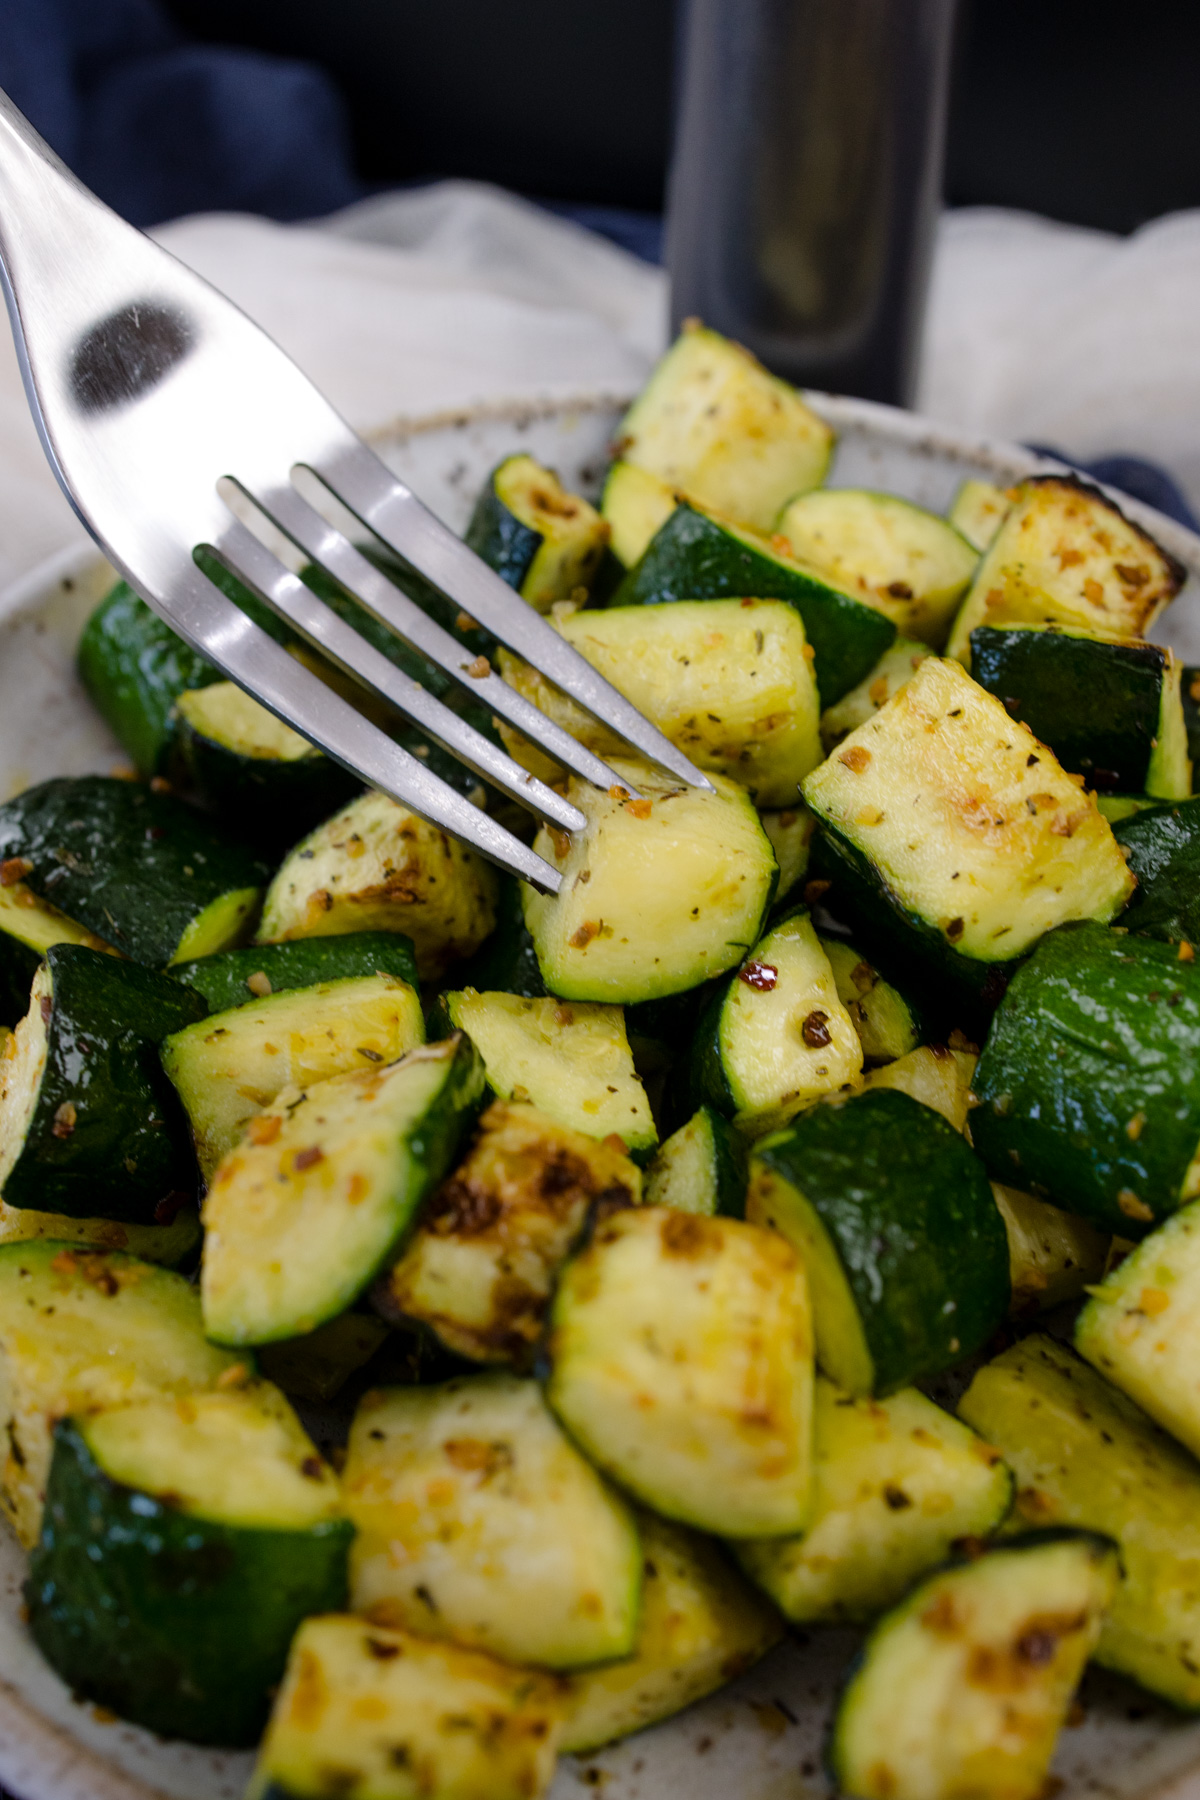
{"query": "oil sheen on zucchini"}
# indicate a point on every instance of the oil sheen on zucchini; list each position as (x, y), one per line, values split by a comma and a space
(701, 1168)
(1163, 847)
(235, 977)
(542, 540)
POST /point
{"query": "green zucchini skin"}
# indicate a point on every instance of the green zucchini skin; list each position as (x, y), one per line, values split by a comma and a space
(105, 1139)
(695, 557)
(702, 1168)
(1099, 1030)
(18, 966)
(177, 1623)
(134, 668)
(1163, 843)
(266, 800)
(221, 980)
(137, 868)
(496, 535)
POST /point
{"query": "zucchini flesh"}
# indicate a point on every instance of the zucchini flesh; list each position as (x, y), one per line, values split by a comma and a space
(896, 666)
(1053, 1255)
(712, 421)
(227, 1067)
(1083, 1455)
(700, 1169)
(934, 1074)
(134, 668)
(169, 1244)
(895, 1483)
(886, 1024)
(906, 1254)
(790, 832)
(542, 540)
(1163, 847)
(318, 1197)
(963, 1689)
(635, 505)
(479, 1521)
(376, 866)
(658, 893)
(680, 1362)
(481, 1265)
(235, 977)
(1089, 1083)
(572, 1062)
(28, 928)
(977, 512)
(82, 1329)
(906, 562)
(394, 1717)
(701, 1625)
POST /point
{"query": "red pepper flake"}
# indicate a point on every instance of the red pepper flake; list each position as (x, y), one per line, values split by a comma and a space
(761, 977)
(169, 1207)
(308, 1159)
(265, 1128)
(815, 1030)
(478, 669)
(159, 785)
(47, 1007)
(639, 808)
(580, 939)
(14, 869)
(816, 890)
(855, 758)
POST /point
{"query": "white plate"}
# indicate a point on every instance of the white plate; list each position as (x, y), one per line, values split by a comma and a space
(761, 1738)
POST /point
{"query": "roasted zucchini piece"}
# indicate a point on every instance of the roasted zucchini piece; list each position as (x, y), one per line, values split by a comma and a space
(1118, 807)
(236, 977)
(183, 1543)
(701, 1168)
(935, 1074)
(479, 1521)
(318, 1365)
(953, 840)
(169, 1243)
(790, 832)
(680, 1361)
(712, 421)
(149, 875)
(729, 682)
(965, 1686)
(894, 1219)
(1089, 1083)
(886, 1023)
(134, 668)
(88, 1125)
(1065, 555)
(634, 504)
(701, 1626)
(482, 1263)
(1083, 1455)
(227, 1067)
(1053, 1256)
(1162, 845)
(542, 540)
(775, 1037)
(319, 1196)
(82, 1329)
(896, 666)
(387, 1716)
(1110, 710)
(376, 866)
(896, 1483)
(701, 555)
(28, 928)
(907, 563)
(658, 893)
(977, 511)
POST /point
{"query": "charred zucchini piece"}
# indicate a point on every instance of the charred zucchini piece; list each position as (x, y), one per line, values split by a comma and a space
(919, 1720)
(712, 421)
(479, 1521)
(227, 1067)
(896, 1483)
(790, 832)
(1053, 1256)
(680, 1361)
(169, 1243)
(134, 668)
(658, 893)
(934, 1074)
(978, 510)
(1162, 844)
(893, 1216)
(480, 1268)
(887, 1024)
(319, 1197)
(634, 505)
(28, 928)
(318, 1365)
(894, 668)
(183, 1543)
(376, 866)
(236, 977)
(390, 1716)
(701, 1168)
(88, 1126)
(1083, 1455)
(542, 540)
(701, 1626)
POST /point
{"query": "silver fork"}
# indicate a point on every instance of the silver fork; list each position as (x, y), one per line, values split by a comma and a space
(162, 408)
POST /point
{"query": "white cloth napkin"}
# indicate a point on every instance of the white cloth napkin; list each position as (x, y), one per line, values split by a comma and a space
(439, 297)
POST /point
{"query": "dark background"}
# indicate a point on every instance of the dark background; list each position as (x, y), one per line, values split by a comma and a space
(1084, 110)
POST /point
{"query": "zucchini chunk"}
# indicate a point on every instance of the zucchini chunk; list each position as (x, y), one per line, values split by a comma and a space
(376, 866)
(1162, 844)
(183, 1542)
(387, 1716)
(88, 1125)
(1190, 692)
(936, 1075)
(1089, 1083)
(572, 1062)
(658, 893)
(977, 512)
(634, 504)
(892, 1214)
(1118, 807)
(170, 1243)
(965, 1686)
(227, 1067)
(712, 421)
(1110, 710)
(82, 1329)
(729, 682)
(1053, 1255)
(479, 1521)
(790, 833)
(680, 1359)
(953, 840)
(896, 1483)
(886, 1023)
(701, 1626)
(480, 1267)
(701, 555)
(775, 1037)
(894, 668)
(28, 928)
(235, 977)
(701, 1168)
(134, 668)
(301, 1217)
(910, 565)
(1083, 1455)
(1065, 555)
(318, 1365)
(542, 540)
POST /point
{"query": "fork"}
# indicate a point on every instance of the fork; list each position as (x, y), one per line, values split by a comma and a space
(178, 429)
